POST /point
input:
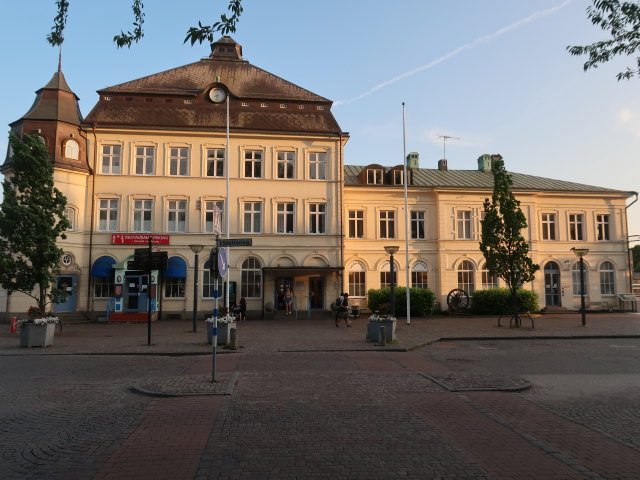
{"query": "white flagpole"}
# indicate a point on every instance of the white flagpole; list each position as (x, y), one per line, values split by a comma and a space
(227, 207)
(406, 217)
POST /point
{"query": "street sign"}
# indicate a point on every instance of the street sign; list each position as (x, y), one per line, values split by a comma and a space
(223, 262)
(236, 242)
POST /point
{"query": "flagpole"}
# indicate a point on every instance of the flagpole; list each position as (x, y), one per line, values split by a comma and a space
(227, 206)
(406, 216)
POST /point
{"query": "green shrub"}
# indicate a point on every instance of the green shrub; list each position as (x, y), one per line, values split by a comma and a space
(421, 300)
(496, 301)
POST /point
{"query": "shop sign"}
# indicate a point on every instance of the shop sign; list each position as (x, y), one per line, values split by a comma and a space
(138, 239)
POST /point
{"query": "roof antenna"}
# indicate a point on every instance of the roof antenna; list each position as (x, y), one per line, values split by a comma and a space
(444, 143)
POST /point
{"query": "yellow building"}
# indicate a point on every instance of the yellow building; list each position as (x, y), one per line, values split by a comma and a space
(149, 161)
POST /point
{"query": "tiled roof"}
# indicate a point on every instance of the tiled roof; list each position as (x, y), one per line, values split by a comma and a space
(478, 180)
(55, 101)
(178, 98)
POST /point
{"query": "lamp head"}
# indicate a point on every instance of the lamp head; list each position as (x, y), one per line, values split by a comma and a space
(196, 248)
(580, 252)
(391, 249)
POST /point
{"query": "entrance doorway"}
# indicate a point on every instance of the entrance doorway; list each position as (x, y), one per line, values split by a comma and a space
(135, 293)
(281, 284)
(552, 284)
(68, 284)
(316, 293)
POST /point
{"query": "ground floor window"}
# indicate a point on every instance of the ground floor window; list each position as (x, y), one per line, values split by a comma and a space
(419, 276)
(607, 279)
(103, 287)
(357, 277)
(174, 287)
(251, 278)
(466, 275)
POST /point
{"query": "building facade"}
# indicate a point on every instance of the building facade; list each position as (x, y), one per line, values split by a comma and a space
(150, 161)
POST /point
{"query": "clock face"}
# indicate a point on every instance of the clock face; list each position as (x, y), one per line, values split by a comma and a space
(217, 95)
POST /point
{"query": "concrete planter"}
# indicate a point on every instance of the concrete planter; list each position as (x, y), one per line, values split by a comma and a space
(32, 335)
(373, 330)
(224, 332)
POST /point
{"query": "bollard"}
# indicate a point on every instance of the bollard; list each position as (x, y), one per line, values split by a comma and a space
(14, 324)
(233, 339)
(383, 336)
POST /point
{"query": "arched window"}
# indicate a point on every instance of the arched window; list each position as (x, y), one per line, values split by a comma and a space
(488, 281)
(466, 274)
(607, 279)
(419, 275)
(251, 278)
(357, 278)
(70, 215)
(175, 277)
(71, 149)
(385, 274)
(575, 277)
(208, 281)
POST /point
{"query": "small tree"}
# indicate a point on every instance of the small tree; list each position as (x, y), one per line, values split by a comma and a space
(31, 221)
(503, 246)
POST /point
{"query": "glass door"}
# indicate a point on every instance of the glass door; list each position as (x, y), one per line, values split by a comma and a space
(552, 284)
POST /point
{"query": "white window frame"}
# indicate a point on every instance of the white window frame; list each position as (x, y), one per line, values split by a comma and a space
(145, 160)
(113, 156)
(603, 227)
(70, 215)
(464, 224)
(317, 218)
(254, 161)
(398, 177)
(179, 161)
(488, 281)
(575, 279)
(607, 278)
(251, 278)
(207, 209)
(375, 176)
(177, 215)
(140, 210)
(215, 162)
(285, 164)
(357, 280)
(317, 165)
(111, 208)
(72, 149)
(252, 216)
(549, 227)
(355, 224)
(576, 227)
(387, 224)
(285, 218)
(466, 275)
(419, 275)
(418, 223)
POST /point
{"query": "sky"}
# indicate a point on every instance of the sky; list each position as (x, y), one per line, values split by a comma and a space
(495, 74)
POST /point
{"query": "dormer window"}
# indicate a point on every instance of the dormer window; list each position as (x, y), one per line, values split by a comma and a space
(398, 176)
(374, 176)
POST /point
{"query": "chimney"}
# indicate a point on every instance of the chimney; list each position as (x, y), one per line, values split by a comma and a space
(413, 160)
(484, 163)
(442, 165)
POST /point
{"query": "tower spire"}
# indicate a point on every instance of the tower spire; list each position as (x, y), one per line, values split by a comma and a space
(60, 58)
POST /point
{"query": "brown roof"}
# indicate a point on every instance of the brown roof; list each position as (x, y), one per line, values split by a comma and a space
(186, 89)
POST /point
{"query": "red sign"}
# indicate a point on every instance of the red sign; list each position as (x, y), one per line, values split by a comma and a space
(138, 239)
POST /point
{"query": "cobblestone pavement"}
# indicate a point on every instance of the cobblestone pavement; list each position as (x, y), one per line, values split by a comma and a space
(344, 413)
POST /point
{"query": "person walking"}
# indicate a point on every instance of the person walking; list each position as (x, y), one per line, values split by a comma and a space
(288, 301)
(343, 310)
(243, 308)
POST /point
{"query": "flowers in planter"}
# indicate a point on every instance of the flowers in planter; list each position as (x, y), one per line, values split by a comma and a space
(384, 317)
(228, 318)
(38, 321)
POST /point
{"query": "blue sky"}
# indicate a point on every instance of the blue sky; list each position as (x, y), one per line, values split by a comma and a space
(494, 73)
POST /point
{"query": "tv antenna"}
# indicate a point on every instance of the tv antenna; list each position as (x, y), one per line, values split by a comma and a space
(444, 143)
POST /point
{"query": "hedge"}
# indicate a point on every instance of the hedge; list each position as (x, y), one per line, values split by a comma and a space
(422, 301)
(498, 301)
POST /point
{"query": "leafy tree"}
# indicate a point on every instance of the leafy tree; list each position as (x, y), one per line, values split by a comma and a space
(635, 253)
(622, 20)
(226, 24)
(31, 220)
(503, 246)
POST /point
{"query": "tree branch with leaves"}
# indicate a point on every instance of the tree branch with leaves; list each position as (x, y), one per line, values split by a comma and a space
(622, 20)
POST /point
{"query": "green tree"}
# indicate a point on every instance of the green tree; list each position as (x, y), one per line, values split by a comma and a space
(635, 254)
(503, 246)
(621, 19)
(31, 221)
(226, 24)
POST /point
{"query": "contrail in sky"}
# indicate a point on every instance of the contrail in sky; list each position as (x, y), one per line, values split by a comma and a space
(460, 49)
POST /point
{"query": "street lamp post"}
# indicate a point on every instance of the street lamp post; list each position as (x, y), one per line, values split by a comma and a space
(391, 250)
(581, 252)
(195, 249)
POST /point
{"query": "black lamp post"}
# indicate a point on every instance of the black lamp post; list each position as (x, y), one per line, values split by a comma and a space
(391, 250)
(581, 252)
(195, 249)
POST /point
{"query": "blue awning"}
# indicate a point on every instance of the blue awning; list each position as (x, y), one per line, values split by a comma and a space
(176, 268)
(103, 267)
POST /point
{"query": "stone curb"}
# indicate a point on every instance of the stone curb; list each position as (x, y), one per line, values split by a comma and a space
(478, 382)
(184, 386)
